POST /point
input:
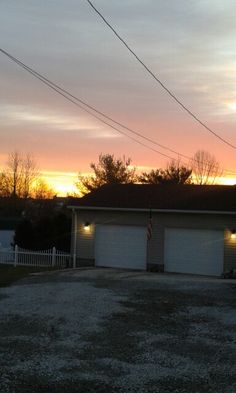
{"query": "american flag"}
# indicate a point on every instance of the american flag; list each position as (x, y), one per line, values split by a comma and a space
(149, 226)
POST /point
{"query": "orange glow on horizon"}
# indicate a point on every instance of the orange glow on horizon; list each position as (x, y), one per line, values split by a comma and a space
(64, 182)
(227, 181)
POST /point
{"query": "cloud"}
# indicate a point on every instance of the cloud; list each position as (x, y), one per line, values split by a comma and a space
(189, 45)
(14, 115)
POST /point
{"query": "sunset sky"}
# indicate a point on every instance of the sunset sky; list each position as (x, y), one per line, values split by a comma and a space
(189, 45)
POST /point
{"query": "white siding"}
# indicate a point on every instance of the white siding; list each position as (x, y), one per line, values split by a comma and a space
(6, 238)
(86, 241)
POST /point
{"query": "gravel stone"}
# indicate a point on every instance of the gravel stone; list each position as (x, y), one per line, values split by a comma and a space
(108, 330)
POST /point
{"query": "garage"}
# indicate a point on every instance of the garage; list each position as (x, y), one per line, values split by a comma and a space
(193, 228)
(121, 246)
(194, 251)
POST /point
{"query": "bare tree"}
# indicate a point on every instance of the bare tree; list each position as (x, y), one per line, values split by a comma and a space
(4, 185)
(29, 174)
(18, 176)
(206, 169)
(41, 190)
(13, 173)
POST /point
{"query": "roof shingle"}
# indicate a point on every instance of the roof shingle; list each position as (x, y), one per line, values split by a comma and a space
(166, 197)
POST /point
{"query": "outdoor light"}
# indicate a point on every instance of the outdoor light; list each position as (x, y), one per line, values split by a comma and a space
(233, 234)
(87, 226)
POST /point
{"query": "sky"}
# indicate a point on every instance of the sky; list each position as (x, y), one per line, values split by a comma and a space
(188, 44)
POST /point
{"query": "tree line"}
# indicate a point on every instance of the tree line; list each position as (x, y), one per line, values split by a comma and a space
(44, 225)
(202, 169)
(21, 177)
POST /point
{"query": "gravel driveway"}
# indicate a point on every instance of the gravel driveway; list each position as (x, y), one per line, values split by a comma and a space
(103, 330)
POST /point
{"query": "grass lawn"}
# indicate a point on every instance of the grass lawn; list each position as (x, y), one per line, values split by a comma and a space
(10, 274)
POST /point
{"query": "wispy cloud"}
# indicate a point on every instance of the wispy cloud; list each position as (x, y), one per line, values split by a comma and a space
(14, 115)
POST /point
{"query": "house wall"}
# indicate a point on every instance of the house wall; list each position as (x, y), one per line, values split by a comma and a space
(6, 238)
(85, 240)
(192, 221)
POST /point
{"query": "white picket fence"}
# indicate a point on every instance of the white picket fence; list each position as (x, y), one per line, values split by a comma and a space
(22, 257)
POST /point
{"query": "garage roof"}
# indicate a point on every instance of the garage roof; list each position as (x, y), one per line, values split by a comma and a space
(163, 197)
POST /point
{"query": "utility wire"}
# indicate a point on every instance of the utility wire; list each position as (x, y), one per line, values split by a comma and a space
(83, 105)
(91, 107)
(195, 117)
(57, 90)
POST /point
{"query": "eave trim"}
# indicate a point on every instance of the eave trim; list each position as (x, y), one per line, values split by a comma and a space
(100, 208)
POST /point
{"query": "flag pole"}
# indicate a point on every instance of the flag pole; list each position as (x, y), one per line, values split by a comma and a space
(149, 233)
(149, 227)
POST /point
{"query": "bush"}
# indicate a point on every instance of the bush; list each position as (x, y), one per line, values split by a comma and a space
(44, 233)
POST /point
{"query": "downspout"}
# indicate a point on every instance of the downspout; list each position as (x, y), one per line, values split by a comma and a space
(149, 236)
(74, 237)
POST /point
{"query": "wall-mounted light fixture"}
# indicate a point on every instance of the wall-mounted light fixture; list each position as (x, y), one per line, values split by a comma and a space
(233, 234)
(87, 226)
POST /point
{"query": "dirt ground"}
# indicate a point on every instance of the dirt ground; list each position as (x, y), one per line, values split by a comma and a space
(104, 330)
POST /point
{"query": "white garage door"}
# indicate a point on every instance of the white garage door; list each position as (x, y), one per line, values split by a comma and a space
(196, 251)
(120, 246)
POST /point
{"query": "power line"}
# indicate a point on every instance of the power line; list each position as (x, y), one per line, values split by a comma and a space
(64, 93)
(31, 70)
(172, 95)
(83, 105)
(51, 85)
